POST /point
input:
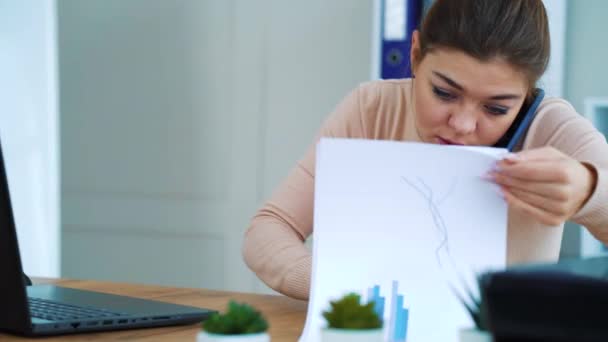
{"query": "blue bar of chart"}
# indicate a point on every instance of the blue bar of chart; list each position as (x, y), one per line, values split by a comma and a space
(373, 294)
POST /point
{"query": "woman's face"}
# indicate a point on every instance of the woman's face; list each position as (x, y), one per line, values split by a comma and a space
(461, 100)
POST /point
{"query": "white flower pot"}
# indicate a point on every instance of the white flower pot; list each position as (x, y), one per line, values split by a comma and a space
(352, 335)
(474, 335)
(204, 336)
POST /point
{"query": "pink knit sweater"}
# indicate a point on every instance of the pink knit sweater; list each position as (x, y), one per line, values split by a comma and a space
(274, 243)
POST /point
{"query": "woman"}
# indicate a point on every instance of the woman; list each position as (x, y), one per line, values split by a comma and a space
(475, 65)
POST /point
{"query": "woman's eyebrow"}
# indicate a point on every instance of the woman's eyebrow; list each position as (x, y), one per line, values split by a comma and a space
(505, 97)
(448, 80)
(455, 84)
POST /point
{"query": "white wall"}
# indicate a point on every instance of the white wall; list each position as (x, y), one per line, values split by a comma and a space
(585, 76)
(553, 79)
(180, 117)
(29, 128)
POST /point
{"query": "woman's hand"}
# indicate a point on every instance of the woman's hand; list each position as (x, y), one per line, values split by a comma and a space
(544, 183)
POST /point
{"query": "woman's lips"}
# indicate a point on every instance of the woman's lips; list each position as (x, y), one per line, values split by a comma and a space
(443, 141)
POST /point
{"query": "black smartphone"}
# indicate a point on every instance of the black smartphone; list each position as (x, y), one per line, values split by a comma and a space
(518, 128)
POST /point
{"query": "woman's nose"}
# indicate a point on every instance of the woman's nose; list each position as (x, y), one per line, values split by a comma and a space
(463, 122)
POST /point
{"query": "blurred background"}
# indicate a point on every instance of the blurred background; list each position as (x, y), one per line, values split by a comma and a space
(140, 136)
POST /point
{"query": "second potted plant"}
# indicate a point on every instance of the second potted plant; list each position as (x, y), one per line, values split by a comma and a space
(349, 320)
(240, 323)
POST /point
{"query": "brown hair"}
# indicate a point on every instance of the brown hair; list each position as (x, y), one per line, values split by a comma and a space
(516, 31)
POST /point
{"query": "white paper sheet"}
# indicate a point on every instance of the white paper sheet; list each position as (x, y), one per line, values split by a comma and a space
(414, 215)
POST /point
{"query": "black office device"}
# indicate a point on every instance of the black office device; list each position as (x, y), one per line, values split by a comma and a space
(53, 310)
(558, 302)
(516, 132)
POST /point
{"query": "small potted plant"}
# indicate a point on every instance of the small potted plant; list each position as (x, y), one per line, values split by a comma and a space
(349, 320)
(241, 322)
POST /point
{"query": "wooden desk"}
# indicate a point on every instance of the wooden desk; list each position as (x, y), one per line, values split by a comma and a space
(285, 316)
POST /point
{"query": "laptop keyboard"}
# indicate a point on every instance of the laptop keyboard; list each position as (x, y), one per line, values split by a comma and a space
(54, 311)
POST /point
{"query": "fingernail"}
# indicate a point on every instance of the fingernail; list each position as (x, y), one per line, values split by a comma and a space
(512, 157)
(501, 194)
(489, 176)
(496, 167)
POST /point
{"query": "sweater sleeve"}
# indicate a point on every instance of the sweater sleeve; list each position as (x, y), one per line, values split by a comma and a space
(273, 246)
(562, 127)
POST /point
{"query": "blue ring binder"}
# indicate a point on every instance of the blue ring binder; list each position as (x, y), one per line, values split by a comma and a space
(394, 61)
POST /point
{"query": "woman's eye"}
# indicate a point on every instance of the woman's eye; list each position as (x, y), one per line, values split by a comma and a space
(442, 94)
(497, 110)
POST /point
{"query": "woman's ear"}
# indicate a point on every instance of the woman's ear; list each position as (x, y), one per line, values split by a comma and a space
(415, 51)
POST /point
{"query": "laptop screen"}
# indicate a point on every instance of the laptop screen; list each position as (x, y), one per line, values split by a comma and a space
(14, 312)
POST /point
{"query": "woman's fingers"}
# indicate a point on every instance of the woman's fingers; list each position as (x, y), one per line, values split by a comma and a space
(544, 183)
(543, 153)
(547, 189)
(555, 191)
(550, 206)
(539, 214)
(550, 171)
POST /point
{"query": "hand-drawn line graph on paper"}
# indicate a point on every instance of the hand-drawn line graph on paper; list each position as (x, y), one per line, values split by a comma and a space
(442, 253)
(443, 249)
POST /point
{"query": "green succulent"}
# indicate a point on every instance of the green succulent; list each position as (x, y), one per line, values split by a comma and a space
(239, 319)
(349, 313)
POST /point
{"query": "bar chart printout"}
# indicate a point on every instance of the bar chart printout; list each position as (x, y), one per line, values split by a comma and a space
(396, 319)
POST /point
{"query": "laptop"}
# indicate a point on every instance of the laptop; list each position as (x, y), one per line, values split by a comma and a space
(38, 310)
